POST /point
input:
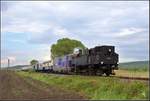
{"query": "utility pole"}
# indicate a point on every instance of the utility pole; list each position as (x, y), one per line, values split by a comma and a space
(8, 63)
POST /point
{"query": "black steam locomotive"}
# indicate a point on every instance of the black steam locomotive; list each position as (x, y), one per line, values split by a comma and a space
(95, 61)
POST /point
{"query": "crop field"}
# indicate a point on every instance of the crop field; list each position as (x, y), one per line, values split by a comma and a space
(15, 87)
(131, 73)
(94, 87)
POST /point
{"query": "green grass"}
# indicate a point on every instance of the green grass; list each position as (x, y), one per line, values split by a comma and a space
(94, 87)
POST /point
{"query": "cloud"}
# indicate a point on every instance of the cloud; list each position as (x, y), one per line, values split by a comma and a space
(22, 26)
(25, 55)
(129, 31)
(29, 27)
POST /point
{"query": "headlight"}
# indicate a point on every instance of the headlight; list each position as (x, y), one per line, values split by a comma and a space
(102, 62)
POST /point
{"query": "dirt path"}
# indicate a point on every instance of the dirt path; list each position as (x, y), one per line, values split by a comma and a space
(13, 86)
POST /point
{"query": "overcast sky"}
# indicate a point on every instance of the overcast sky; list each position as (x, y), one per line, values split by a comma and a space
(28, 29)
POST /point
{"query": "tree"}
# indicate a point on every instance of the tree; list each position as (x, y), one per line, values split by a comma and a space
(33, 62)
(65, 46)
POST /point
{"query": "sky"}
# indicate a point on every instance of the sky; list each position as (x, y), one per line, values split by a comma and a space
(29, 28)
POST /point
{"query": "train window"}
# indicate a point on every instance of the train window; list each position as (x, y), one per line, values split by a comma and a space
(67, 57)
(89, 51)
(70, 63)
(80, 51)
(86, 51)
(37, 66)
(59, 61)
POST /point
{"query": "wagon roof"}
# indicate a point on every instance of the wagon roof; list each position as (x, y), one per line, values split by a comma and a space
(47, 61)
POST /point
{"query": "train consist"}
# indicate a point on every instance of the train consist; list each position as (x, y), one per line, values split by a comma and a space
(95, 61)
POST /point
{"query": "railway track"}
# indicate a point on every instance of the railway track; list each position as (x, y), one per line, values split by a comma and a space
(134, 78)
(120, 77)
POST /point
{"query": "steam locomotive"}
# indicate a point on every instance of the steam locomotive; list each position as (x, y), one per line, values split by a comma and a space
(95, 61)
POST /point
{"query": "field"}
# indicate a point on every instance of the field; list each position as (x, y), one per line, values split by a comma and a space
(93, 87)
(15, 87)
(33, 85)
(139, 66)
(131, 73)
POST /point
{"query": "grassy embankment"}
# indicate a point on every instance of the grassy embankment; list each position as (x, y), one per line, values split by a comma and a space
(95, 87)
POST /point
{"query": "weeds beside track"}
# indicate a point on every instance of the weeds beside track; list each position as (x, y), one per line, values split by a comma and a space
(95, 87)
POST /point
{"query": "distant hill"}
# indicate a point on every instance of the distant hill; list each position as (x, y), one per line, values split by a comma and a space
(17, 67)
(137, 65)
